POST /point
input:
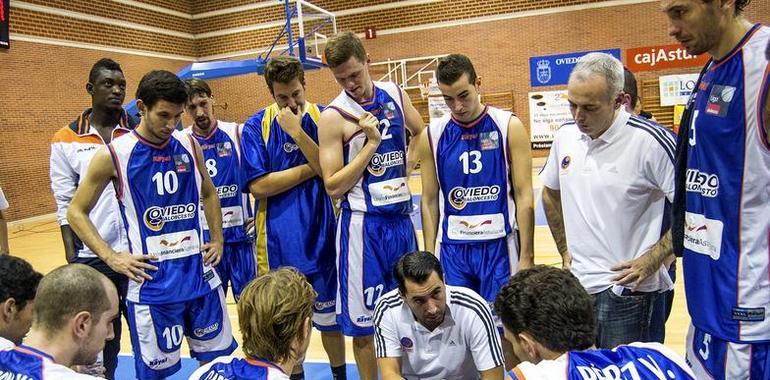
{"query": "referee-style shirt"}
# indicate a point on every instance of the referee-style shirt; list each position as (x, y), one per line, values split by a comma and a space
(613, 193)
(466, 343)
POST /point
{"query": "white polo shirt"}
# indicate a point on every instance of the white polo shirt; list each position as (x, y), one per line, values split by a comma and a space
(466, 343)
(6, 344)
(613, 192)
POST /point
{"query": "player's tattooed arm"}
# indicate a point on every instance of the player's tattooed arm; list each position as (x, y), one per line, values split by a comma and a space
(415, 125)
(292, 125)
(521, 175)
(555, 217)
(100, 173)
(338, 177)
(429, 202)
(212, 251)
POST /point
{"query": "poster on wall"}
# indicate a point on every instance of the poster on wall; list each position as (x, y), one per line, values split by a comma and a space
(553, 70)
(5, 14)
(676, 89)
(436, 105)
(662, 57)
(548, 110)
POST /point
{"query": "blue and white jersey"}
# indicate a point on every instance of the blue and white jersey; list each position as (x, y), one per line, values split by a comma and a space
(635, 361)
(233, 368)
(158, 187)
(27, 363)
(383, 188)
(727, 219)
(472, 166)
(222, 157)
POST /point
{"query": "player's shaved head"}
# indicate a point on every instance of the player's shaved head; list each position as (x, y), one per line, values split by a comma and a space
(340, 48)
(67, 291)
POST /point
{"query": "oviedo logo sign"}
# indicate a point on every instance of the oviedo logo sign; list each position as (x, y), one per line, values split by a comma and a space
(650, 58)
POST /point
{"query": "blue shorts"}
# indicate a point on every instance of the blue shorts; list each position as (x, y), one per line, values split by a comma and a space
(324, 310)
(484, 267)
(157, 332)
(237, 267)
(714, 358)
(368, 247)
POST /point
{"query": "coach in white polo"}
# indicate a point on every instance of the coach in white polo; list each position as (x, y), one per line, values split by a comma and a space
(606, 182)
(425, 329)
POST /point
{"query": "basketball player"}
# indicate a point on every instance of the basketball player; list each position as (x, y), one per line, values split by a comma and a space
(72, 148)
(363, 156)
(476, 166)
(549, 318)
(18, 283)
(74, 309)
(274, 313)
(220, 143)
(160, 181)
(425, 329)
(295, 217)
(721, 206)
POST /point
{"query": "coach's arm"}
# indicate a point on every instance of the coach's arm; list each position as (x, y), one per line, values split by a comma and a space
(100, 172)
(555, 217)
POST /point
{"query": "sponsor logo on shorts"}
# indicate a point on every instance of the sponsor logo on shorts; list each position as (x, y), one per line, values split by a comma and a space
(475, 227)
(289, 147)
(227, 191)
(381, 162)
(389, 192)
(704, 183)
(156, 217)
(325, 305)
(460, 196)
(154, 363)
(364, 319)
(206, 330)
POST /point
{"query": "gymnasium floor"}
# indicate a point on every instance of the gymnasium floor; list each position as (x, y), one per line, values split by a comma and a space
(38, 241)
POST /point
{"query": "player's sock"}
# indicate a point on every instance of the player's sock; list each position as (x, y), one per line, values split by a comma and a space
(297, 376)
(338, 373)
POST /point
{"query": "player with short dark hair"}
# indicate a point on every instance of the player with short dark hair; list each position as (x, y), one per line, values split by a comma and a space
(161, 183)
(221, 146)
(18, 284)
(549, 318)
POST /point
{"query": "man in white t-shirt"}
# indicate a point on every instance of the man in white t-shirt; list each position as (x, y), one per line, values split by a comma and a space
(4, 249)
(605, 184)
(18, 282)
(425, 329)
(73, 313)
(549, 319)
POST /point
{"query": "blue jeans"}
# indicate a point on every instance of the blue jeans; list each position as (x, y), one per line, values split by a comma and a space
(623, 319)
(661, 310)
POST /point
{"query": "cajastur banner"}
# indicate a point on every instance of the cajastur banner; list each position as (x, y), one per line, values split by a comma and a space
(5, 14)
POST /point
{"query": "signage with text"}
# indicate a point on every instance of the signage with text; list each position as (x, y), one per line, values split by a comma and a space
(676, 89)
(554, 70)
(662, 57)
(5, 14)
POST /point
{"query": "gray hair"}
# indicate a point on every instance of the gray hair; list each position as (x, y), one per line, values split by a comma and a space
(604, 66)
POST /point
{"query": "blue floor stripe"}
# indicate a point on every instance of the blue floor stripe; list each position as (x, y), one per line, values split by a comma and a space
(313, 371)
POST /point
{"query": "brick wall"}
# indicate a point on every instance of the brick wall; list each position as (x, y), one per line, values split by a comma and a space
(42, 88)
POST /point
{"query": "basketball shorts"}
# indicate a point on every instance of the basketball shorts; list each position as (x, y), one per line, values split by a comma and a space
(484, 267)
(368, 248)
(713, 358)
(237, 267)
(157, 332)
